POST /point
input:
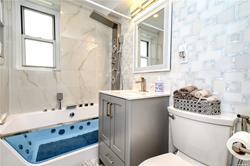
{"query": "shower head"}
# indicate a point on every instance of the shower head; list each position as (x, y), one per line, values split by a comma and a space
(100, 18)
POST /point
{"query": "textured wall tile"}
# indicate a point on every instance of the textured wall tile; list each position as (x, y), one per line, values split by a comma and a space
(216, 34)
(244, 9)
(226, 16)
(202, 5)
(233, 87)
(232, 97)
(233, 76)
(219, 86)
(247, 74)
(247, 35)
(246, 87)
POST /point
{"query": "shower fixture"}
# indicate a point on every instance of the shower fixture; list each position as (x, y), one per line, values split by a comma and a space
(117, 41)
(108, 9)
(59, 97)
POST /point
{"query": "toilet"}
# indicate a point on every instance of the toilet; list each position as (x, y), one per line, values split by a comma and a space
(199, 139)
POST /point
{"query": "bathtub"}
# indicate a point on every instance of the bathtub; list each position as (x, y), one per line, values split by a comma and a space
(26, 138)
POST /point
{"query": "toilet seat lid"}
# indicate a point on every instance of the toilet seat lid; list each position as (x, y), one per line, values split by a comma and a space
(165, 159)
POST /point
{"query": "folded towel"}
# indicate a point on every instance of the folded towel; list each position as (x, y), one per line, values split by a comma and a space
(194, 92)
(187, 96)
(188, 89)
(179, 95)
(202, 94)
(212, 99)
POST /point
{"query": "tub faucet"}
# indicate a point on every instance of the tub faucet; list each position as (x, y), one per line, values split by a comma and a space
(142, 81)
(59, 97)
(3, 118)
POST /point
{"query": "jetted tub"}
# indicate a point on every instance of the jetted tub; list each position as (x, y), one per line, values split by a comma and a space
(52, 143)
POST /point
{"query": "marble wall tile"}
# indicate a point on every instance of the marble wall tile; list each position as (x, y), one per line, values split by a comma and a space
(216, 33)
(85, 66)
(4, 62)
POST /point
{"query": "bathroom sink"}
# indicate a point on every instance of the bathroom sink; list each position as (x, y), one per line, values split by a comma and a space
(134, 94)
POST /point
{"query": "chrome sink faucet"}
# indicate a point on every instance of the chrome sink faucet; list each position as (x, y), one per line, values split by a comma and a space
(142, 81)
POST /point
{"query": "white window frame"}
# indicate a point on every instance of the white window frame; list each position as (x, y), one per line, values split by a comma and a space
(148, 51)
(19, 37)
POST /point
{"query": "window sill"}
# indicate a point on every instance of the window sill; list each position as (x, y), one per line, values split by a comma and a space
(43, 69)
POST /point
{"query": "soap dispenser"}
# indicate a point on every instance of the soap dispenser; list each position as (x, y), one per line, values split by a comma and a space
(159, 85)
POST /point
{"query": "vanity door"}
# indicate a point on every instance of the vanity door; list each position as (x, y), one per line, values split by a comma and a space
(118, 126)
(104, 119)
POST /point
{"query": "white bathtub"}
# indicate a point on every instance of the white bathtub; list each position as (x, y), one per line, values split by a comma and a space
(37, 120)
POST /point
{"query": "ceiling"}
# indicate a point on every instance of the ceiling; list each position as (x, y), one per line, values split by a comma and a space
(116, 8)
(120, 6)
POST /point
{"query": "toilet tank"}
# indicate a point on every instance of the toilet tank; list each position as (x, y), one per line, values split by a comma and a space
(202, 137)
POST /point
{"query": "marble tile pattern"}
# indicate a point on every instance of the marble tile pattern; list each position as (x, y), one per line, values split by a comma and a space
(4, 88)
(217, 36)
(4, 71)
(85, 66)
(116, 58)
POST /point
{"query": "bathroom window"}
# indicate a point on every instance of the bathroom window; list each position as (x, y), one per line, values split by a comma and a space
(39, 37)
(144, 51)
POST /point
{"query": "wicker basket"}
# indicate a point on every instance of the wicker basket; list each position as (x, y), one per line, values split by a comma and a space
(201, 107)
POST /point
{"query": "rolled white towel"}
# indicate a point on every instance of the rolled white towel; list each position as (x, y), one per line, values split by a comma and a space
(212, 98)
(202, 94)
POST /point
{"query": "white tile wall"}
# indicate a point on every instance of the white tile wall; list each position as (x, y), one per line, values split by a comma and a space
(4, 81)
(85, 66)
(217, 35)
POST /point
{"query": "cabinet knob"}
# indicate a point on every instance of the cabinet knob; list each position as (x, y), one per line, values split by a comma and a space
(108, 158)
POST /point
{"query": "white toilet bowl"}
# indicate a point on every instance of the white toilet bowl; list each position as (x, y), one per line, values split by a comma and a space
(178, 159)
(200, 140)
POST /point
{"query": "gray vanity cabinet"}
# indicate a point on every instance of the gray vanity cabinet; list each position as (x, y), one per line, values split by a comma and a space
(104, 120)
(131, 131)
(118, 127)
(112, 124)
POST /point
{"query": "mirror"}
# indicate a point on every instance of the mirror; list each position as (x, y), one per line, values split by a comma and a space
(150, 38)
(153, 41)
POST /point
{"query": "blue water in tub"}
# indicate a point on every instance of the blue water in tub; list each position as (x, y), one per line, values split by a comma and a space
(45, 144)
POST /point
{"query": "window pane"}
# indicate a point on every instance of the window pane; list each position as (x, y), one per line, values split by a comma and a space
(39, 53)
(38, 24)
(144, 48)
(144, 62)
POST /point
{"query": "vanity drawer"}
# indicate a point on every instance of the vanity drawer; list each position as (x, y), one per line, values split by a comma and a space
(108, 157)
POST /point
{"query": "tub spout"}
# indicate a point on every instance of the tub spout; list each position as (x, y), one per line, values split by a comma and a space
(3, 118)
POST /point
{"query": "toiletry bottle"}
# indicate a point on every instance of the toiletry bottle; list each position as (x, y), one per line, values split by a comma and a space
(159, 85)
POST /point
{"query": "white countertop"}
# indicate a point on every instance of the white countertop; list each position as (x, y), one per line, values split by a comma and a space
(134, 94)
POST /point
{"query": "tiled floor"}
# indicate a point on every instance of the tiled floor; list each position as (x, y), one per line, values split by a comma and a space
(93, 162)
